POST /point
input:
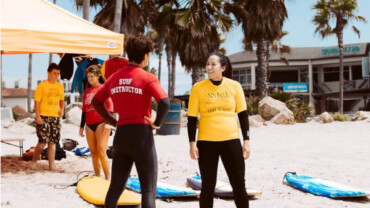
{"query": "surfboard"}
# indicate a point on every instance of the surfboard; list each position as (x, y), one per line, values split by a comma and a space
(164, 190)
(322, 187)
(94, 189)
(223, 187)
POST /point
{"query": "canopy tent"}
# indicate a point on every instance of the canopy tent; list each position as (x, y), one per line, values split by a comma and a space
(38, 26)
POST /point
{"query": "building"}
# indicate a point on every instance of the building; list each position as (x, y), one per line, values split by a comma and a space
(313, 74)
(16, 96)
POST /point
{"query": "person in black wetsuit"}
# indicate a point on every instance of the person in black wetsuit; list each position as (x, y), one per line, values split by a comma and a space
(131, 90)
(217, 100)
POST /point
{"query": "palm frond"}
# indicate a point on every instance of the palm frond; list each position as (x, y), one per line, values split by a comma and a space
(225, 22)
(183, 18)
(356, 30)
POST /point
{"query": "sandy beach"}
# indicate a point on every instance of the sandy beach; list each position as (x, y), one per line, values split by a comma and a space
(338, 151)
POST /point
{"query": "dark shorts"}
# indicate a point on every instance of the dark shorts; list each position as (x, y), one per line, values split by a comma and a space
(49, 131)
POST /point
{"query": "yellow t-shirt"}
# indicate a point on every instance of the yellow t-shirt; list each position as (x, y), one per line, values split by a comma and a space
(49, 95)
(217, 106)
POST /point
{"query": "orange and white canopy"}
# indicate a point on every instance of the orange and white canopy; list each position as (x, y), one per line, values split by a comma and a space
(38, 26)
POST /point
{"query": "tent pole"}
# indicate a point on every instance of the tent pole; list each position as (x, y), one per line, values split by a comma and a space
(29, 85)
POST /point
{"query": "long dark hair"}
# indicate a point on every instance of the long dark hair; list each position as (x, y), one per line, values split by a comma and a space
(224, 61)
(95, 69)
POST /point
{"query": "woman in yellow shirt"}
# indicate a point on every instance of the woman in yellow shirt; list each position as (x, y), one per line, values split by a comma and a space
(217, 100)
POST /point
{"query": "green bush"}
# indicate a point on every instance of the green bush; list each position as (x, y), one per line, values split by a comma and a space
(282, 96)
(154, 105)
(340, 117)
(300, 109)
(252, 105)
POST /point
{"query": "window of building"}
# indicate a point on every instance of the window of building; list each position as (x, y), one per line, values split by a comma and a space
(331, 74)
(244, 77)
(357, 72)
(284, 76)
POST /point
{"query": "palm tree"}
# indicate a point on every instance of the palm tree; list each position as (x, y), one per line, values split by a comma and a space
(199, 23)
(135, 14)
(340, 12)
(166, 37)
(262, 22)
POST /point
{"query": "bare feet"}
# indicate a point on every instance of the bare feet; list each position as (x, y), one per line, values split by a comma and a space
(33, 165)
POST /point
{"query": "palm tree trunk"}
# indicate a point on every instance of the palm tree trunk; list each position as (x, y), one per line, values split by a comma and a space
(50, 54)
(168, 54)
(196, 75)
(340, 46)
(86, 9)
(117, 16)
(173, 74)
(160, 49)
(29, 84)
(261, 70)
(159, 66)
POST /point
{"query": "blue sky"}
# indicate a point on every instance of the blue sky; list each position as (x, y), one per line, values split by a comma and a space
(299, 25)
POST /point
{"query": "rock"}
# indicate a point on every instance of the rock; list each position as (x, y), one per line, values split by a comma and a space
(29, 121)
(6, 115)
(258, 118)
(256, 121)
(325, 118)
(184, 118)
(73, 115)
(284, 117)
(269, 108)
(72, 105)
(20, 113)
(361, 115)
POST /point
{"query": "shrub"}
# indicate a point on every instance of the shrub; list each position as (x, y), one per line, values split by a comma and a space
(340, 117)
(154, 105)
(252, 105)
(300, 109)
(282, 96)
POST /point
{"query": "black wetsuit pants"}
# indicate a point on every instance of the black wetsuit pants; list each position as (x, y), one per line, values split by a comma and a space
(232, 158)
(133, 144)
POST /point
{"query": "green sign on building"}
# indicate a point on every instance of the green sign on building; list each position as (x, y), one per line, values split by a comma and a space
(335, 51)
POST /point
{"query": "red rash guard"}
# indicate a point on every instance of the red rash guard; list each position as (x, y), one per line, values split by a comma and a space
(131, 90)
(113, 65)
(92, 117)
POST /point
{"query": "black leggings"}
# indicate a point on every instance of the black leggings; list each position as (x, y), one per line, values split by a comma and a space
(133, 144)
(232, 158)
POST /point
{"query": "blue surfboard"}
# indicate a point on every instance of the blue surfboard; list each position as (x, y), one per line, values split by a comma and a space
(322, 187)
(163, 190)
(222, 189)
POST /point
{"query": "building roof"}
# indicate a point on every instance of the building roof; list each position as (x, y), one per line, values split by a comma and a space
(15, 92)
(306, 53)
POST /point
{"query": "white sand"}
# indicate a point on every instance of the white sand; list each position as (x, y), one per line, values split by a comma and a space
(338, 152)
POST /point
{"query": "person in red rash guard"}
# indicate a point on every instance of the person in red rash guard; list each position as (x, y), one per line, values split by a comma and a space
(97, 131)
(112, 65)
(132, 89)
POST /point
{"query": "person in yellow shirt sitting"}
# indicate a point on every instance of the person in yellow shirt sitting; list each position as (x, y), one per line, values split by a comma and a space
(217, 100)
(49, 108)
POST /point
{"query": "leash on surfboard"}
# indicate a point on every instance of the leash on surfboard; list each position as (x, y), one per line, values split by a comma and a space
(288, 173)
(87, 174)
